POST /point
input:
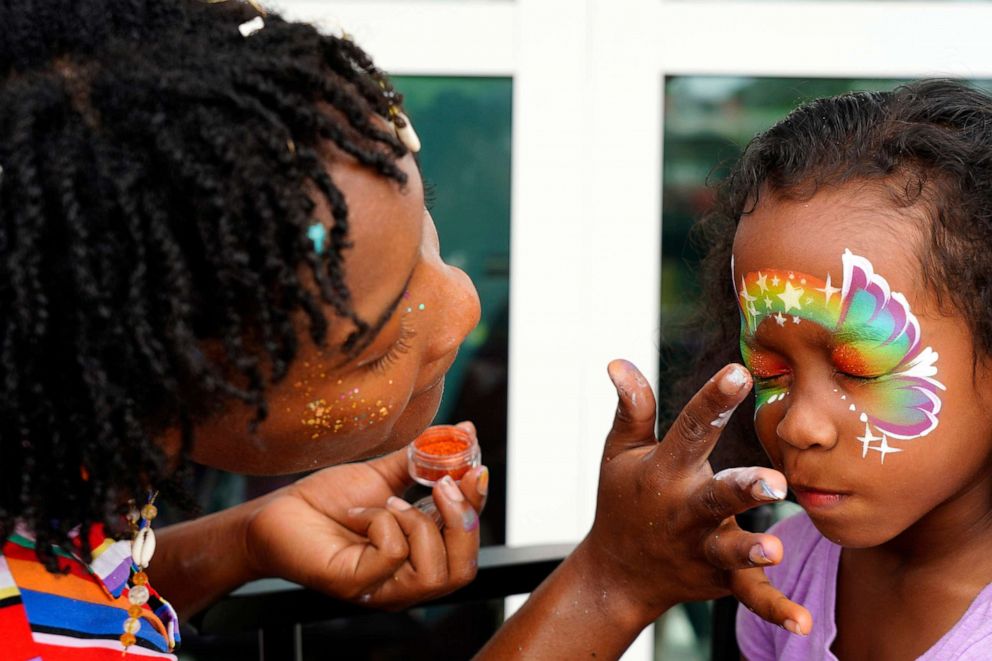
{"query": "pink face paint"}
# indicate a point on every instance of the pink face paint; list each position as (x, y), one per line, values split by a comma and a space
(876, 337)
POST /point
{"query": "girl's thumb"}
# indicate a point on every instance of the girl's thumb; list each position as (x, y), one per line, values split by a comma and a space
(634, 422)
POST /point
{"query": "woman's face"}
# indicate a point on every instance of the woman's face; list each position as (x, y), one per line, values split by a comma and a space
(330, 407)
(866, 396)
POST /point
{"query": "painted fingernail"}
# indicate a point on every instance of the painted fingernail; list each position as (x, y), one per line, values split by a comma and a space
(793, 627)
(397, 504)
(355, 511)
(451, 490)
(482, 483)
(762, 491)
(470, 520)
(733, 380)
(757, 555)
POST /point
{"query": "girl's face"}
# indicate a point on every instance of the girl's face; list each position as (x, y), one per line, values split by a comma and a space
(866, 397)
(332, 408)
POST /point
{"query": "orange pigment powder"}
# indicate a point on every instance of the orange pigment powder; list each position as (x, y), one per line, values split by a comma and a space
(440, 451)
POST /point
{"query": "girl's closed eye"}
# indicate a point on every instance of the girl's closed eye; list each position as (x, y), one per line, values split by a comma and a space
(402, 345)
(851, 363)
(766, 366)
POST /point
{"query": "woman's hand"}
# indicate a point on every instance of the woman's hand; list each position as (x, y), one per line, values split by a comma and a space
(345, 531)
(665, 529)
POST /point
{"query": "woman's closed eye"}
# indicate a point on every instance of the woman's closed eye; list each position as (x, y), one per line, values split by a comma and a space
(402, 345)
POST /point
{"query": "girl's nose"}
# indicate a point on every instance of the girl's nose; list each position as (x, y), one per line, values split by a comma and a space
(807, 422)
(459, 311)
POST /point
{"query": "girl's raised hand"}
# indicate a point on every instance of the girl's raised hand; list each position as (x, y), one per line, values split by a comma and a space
(345, 531)
(665, 524)
(664, 533)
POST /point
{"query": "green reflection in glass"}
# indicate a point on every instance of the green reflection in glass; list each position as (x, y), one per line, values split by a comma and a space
(464, 125)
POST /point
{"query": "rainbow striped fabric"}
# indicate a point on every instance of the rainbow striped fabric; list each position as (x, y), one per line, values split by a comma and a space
(79, 614)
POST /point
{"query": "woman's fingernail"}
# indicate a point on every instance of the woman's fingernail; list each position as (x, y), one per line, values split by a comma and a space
(451, 490)
(355, 511)
(482, 482)
(757, 555)
(470, 520)
(762, 491)
(733, 380)
(397, 504)
(793, 627)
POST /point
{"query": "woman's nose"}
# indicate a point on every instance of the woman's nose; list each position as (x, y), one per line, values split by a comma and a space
(459, 313)
(807, 422)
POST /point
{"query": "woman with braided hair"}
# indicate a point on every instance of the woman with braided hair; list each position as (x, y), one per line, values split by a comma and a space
(214, 248)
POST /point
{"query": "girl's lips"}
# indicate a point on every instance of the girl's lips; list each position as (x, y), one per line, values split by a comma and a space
(817, 498)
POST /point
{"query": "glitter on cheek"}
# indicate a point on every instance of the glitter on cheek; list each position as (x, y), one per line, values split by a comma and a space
(349, 410)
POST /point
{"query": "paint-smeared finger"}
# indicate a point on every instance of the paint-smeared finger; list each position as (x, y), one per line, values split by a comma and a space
(389, 547)
(469, 428)
(428, 557)
(475, 487)
(735, 490)
(633, 424)
(729, 547)
(697, 428)
(753, 589)
(461, 532)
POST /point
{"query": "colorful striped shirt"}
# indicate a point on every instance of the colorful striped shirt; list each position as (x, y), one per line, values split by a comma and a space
(79, 614)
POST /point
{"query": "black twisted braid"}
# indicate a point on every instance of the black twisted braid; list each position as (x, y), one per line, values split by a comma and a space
(929, 143)
(157, 168)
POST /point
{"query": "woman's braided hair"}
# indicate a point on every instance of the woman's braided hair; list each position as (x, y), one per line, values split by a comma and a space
(157, 175)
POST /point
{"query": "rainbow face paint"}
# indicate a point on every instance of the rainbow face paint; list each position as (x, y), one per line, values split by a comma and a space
(875, 338)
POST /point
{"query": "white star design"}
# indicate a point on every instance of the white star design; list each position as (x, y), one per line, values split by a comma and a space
(885, 448)
(828, 291)
(768, 303)
(795, 319)
(747, 297)
(867, 440)
(791, 297)
(762, 282)
(775, 281)
(752, 309)
(792, 276)
(779, 319)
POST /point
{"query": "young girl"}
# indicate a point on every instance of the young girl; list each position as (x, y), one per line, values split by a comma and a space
(857, 231)
(214, 247)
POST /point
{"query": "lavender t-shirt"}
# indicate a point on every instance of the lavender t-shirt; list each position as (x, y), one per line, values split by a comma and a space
(808, 576)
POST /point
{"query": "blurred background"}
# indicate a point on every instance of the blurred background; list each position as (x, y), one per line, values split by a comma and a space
(571, 144)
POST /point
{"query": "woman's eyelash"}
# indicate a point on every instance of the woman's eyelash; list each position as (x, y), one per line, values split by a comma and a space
(430, 195)
(400, 347)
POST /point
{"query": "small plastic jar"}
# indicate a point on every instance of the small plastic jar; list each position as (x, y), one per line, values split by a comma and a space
(439, 451)
(442, 450)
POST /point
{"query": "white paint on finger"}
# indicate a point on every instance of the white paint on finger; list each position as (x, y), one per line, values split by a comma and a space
(721, 420)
